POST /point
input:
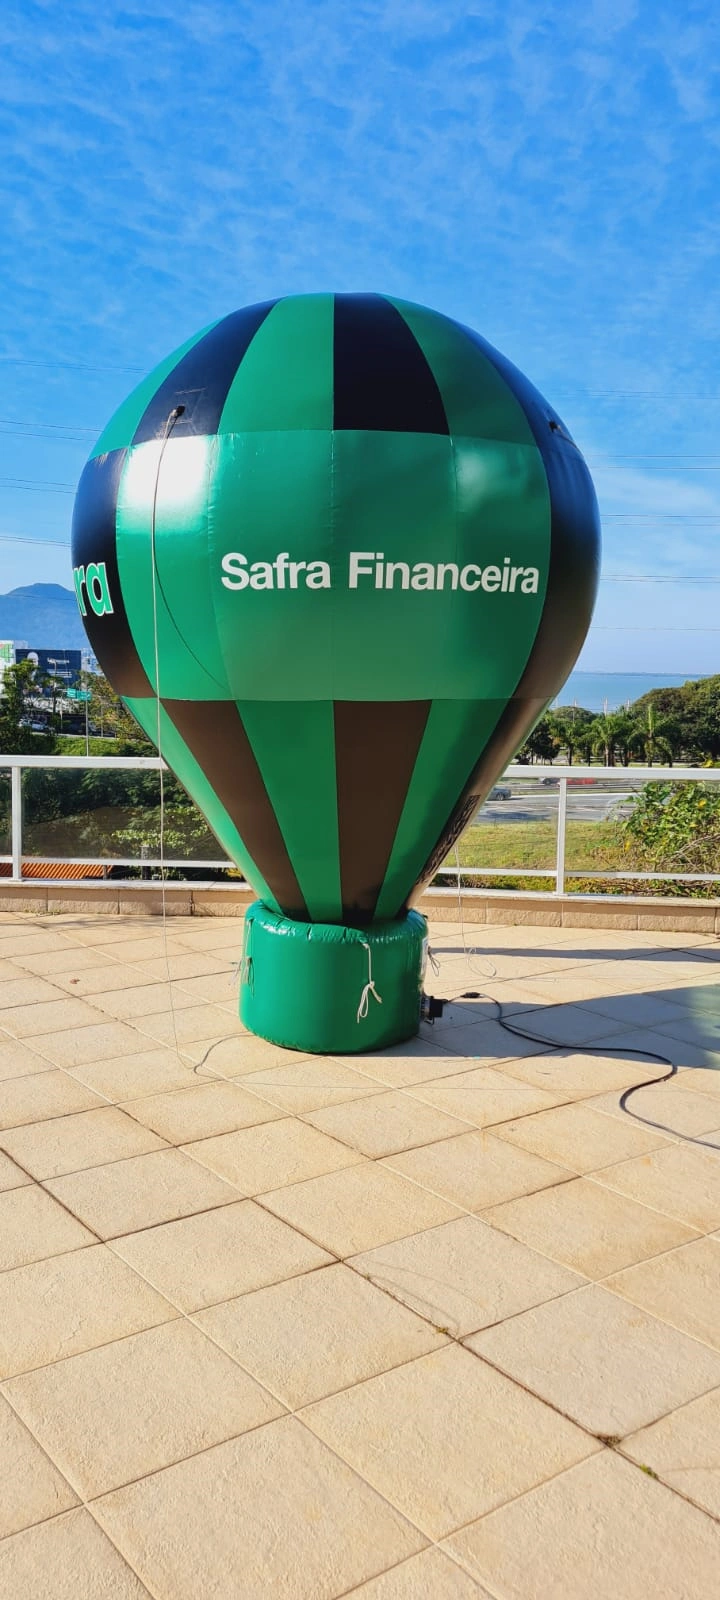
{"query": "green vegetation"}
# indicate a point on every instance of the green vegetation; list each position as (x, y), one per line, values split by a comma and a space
(670, 827)
(663, 726)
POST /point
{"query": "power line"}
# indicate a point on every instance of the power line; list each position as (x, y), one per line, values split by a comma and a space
(37, 486)
(75, 366)
(23, 538)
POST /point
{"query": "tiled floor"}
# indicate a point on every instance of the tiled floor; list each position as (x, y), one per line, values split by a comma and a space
(429, 1324)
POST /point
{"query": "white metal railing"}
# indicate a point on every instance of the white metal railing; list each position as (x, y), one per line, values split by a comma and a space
(559, 776)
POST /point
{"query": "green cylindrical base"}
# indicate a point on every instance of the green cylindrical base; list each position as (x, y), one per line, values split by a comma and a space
(331, 990)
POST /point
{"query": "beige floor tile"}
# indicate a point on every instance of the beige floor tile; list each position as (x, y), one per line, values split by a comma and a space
(33, 1489)
(139, 1001)
(111, 1415)
(34, 942)
(202, 1111)
(602, 1361)
(23, 990)
(55, 1308)
(19, 1060)
(42, 1095)
(680, 1180)
(486, 1042)
(11, 1177)
(476, 1169)
(84, 1046)
(594, 1235)
(464, 1275)
(601, 1518)
(577, 1137)
(123, 1196)
(644, 1010)
(444, 1440)
(575, 1076)
(10, 971)
(72, 959)
(142, 946)
(404, 1065)
(100, 984)
(186, 964)
(255, 1160)
(706, 1080)
(680, 1287)
(216, 1255)
(69, 1558)
(303, 1086)
(274, 1505)
(186, 1025)
(385, 1123)
(364, 1206)
(221, 987)
(48, 1017)
(669, 1107)
(317, 1333)
(699, 1027)
(245, 1053)
(429, 1576)
(32, 1226)
(484, 1096)
(573, 1025)
(682, 1449)
(139, 1073)
(83, 1139)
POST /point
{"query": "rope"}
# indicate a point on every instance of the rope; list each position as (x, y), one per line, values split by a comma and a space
(369, 988)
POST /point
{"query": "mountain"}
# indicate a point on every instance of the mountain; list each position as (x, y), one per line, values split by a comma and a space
(44, 615)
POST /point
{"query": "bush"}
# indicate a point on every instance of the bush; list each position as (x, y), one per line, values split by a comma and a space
(674, 828)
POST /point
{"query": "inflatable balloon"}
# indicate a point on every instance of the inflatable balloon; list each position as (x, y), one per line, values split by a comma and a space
(341, 554)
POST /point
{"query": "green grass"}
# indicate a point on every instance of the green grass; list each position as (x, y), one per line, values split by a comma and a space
(589, 845)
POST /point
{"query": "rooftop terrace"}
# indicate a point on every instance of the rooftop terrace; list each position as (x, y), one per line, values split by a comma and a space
(437, 1322)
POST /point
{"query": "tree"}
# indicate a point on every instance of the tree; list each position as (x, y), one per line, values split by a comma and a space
(108, 712)
(17, 711)
(572, 724)
(542, 743)
(614, 733)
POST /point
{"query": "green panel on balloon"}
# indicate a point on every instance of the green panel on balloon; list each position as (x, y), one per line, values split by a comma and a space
(477, 400)
(289, 738)
(455, 730)
(420, 500)
(285, 380)
(182, 593)
(272, 495)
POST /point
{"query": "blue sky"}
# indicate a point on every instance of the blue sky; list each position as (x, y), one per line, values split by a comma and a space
(545, 173)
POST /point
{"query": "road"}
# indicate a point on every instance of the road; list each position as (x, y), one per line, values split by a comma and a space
(584, 805)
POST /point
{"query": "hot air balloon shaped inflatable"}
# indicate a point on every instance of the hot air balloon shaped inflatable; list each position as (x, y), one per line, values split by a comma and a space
(341, 554)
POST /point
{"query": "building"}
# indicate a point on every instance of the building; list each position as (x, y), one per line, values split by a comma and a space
(63, 665)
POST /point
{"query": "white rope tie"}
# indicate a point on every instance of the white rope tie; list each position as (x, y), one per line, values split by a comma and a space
(369, 988)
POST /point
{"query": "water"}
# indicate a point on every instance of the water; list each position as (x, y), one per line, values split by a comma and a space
(593, 690)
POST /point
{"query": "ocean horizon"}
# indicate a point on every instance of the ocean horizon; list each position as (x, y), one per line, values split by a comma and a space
(596, 691)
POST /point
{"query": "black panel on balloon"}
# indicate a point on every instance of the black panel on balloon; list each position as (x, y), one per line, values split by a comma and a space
(202, 378)
(376, 747)
(382, 381)
(94, 544)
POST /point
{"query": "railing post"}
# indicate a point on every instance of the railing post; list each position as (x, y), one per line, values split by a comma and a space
(16, 822)
(560, 857)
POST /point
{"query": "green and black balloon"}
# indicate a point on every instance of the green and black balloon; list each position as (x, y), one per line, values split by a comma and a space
(338, 736)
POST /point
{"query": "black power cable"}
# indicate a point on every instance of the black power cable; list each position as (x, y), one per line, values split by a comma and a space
(604, 1050)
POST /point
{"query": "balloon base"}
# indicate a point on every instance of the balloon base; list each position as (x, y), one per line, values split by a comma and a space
(328, 989)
